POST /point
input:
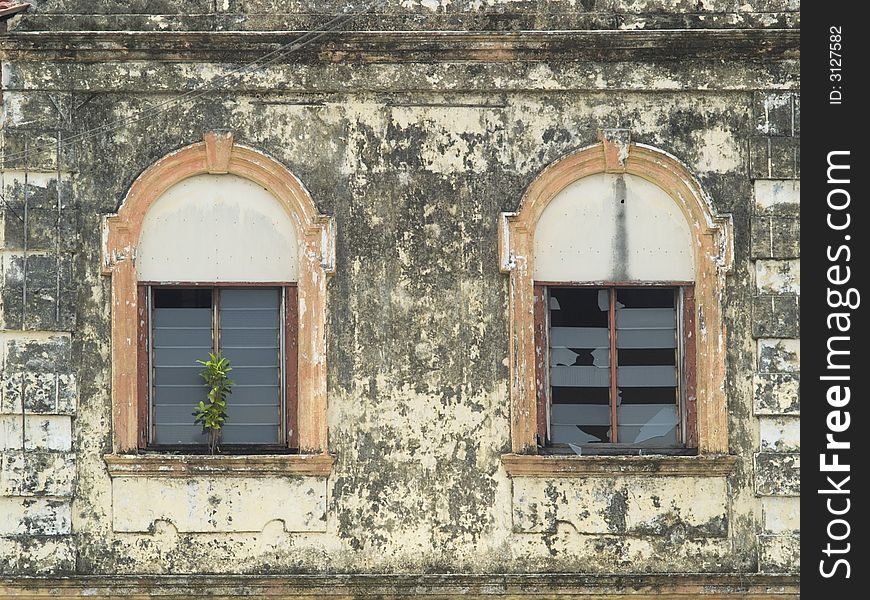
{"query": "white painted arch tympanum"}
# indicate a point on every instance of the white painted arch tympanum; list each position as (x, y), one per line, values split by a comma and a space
(215, 228)
(613, 227)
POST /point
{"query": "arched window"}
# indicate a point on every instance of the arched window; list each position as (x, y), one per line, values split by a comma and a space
(617, 271)
(614, 280)
(217, 265)
(215, 248)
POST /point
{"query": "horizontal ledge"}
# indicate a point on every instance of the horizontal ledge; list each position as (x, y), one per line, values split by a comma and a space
(713, 586)
(534, 465)
(406, 46)
(188, 465)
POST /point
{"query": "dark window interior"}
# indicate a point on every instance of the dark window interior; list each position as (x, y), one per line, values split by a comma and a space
(182, 298)
(580, 365)
(639, 341)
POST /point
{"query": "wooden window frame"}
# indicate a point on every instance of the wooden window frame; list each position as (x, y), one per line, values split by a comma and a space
(288, 431)
(712, 241)
(687, 399)
(219, 154)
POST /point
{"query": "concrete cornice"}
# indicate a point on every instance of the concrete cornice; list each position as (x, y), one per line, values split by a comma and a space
(601, 587)
(405, 46)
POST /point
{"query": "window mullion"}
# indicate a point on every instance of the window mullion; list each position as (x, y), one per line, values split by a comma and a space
(541, 363)
(146, 349)
(689, 368)
(291, 370)
(614, 436)
(216, 320)
(283, 424)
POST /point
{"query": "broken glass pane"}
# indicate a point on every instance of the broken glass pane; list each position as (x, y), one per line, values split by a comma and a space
(576, 357)
(646, 374)
(653, 424)
(579, 365)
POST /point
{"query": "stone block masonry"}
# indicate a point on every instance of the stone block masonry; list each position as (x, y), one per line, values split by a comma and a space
(775, 250)
(38, 396)
(412, 131)
(38, 383)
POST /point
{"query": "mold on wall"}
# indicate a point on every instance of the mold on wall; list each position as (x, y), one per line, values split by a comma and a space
(415, 161)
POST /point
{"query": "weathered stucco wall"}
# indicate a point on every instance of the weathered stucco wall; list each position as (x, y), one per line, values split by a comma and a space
(415, 160)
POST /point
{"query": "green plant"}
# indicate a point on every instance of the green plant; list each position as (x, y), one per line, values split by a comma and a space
(213, 414)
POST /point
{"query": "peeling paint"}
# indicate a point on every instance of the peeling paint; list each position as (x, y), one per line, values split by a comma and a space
(421, 167)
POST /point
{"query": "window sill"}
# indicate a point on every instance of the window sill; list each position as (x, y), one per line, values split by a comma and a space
(534, 465)
(187, 465)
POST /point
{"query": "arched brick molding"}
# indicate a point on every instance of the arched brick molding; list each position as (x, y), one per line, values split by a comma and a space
(219, 154)
(713, 247)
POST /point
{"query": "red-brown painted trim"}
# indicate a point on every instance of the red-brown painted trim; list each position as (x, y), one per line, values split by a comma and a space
(291, 366)
(536, 465)
(614, 284)
(219, 152)
(218, 465)
(689, 365)
(214, 284)
(541, 348)
(12, 9)
(614, 424)
(142, 365)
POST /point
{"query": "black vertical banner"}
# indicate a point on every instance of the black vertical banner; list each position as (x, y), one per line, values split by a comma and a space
(835, 439)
